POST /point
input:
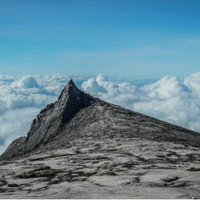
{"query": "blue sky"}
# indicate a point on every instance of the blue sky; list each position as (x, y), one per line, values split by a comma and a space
(127, 38)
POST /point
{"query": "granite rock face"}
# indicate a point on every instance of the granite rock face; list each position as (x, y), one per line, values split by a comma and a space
(83, 147)
(50, 120)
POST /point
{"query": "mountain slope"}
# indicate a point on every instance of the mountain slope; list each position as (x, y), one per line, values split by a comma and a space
(83, 147)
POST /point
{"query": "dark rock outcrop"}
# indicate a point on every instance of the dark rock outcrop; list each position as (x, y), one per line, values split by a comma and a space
(78, 115)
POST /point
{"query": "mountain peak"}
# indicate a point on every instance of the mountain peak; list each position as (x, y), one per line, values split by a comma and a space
(70, 89)
(79, 115)
(51, 120)
(79, 149)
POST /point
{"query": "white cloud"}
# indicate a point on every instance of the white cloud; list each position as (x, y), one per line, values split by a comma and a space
(26, 82)
(170, 99)
(14, 124)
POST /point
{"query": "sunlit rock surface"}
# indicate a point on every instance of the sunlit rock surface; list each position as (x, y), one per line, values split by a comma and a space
(83, 147)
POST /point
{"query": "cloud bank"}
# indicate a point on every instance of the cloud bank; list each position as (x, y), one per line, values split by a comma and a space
(170, 99)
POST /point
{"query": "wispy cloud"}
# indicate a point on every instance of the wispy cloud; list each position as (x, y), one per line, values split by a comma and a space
(192, 40)
(118, 54)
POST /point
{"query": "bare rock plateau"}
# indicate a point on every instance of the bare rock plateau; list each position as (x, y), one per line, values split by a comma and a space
(83, 147)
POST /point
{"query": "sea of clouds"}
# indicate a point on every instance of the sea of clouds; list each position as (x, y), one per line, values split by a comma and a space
(171, 99)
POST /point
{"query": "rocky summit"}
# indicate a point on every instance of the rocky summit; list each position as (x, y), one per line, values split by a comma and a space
(83, 147)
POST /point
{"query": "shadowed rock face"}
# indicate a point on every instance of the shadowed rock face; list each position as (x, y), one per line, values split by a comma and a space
(50, 120)
(76, 114)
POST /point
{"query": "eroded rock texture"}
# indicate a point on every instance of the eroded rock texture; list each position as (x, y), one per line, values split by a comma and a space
(83, 147)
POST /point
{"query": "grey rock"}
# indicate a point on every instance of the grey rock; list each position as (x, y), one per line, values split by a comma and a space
(13, 185)
(50, 121)
(2, 182)
(31, 175)
(130, 177)
(170, 179)
(72, 150)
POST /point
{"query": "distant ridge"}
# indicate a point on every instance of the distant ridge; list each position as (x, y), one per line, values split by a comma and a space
(77, 114)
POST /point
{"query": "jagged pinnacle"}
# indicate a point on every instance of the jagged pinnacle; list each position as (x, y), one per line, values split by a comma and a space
(51, 120)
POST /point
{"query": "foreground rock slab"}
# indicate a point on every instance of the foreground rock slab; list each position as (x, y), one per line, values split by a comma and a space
(105, 168)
